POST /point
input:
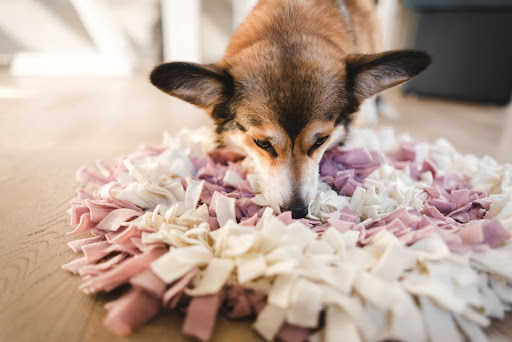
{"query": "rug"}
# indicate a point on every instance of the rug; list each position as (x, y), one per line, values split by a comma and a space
(406, 240)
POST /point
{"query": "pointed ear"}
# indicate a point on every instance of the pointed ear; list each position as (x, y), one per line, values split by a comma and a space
(368, 75)
(201, 85)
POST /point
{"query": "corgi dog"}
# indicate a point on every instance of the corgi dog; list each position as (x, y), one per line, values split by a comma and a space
(289, 85)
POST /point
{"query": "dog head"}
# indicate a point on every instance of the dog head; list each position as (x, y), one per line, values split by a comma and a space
(284, 105)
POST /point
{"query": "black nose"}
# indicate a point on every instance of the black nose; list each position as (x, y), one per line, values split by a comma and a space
(298, 211)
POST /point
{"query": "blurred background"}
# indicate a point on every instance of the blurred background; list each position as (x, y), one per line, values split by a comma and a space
(65, 63)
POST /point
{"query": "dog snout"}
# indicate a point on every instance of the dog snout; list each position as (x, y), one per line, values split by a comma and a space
(298, 211)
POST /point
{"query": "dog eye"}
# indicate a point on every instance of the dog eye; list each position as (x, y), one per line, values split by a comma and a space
(265, 145)
(320, 141)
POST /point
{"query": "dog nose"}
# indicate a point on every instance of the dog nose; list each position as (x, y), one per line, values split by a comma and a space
(298, 211)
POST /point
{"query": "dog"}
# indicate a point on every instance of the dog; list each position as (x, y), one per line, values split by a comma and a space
(289, 85)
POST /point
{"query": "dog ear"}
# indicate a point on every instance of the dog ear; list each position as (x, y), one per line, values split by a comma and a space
(201, 85)
(368, 75)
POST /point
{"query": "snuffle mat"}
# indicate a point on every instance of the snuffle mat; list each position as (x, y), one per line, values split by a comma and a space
(406, 240)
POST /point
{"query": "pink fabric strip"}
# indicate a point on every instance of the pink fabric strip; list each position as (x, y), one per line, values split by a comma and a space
(130, 311)
(201, 316)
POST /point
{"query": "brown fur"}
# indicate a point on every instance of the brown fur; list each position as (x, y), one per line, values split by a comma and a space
(293, 72)
(323, 19)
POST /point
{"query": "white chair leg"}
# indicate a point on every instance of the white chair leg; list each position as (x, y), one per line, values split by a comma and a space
(99, 22)
(387, 11)
(181, 26)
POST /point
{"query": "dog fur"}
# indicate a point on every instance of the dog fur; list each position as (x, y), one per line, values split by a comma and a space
(289, 85)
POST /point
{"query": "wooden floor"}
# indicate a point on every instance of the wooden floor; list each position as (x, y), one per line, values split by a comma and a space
(49, 128)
